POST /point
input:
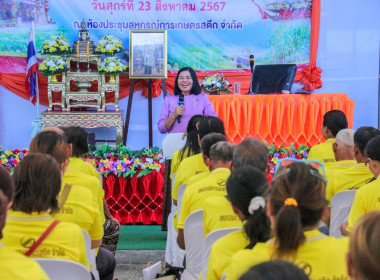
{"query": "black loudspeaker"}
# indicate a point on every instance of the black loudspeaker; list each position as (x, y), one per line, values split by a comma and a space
(273, 78)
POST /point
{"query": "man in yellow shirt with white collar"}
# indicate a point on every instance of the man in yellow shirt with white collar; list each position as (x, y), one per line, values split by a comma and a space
(333, 122)
(220, 163)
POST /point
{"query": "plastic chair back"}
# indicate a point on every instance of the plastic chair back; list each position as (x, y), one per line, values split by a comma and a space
(171, 143)
(64, 269)
(209, 241)
(340, 208)
(180, 192)
(91, 255)
(193, 232)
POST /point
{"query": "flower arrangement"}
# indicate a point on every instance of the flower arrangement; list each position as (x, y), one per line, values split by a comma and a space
(56, 45)
(215, 84)
(53, 65)
(109, 45)
(278, 6)
(10, 159)
(112, 65)
(276, 153)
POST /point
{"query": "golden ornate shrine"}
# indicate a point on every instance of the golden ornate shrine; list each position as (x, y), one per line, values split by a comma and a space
(83, 87)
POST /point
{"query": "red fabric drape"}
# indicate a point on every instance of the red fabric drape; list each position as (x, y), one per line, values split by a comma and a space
(310, 77)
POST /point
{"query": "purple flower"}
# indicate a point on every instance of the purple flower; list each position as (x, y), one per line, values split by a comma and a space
(276, 155)
(292, 156)
(305, 154)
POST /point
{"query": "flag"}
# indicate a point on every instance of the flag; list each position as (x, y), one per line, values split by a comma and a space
(31, 68)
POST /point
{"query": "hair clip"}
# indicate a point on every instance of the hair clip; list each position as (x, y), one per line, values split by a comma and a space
(255, 204)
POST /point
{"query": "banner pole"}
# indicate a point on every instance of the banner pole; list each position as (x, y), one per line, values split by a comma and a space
(36, 77)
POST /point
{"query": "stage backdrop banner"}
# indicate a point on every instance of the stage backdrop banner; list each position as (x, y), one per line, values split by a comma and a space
(206, 35)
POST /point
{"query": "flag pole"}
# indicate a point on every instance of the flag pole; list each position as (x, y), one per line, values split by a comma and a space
(37, 88)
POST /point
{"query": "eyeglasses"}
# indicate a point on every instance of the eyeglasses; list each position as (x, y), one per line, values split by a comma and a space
(319, 167)
(367, 162)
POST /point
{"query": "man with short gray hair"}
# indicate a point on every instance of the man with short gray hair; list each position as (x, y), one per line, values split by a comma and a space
(251, 152)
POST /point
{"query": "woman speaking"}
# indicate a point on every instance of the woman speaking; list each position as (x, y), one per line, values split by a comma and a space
(186, 102)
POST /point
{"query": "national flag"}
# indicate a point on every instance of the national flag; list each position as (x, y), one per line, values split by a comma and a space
(31, 68)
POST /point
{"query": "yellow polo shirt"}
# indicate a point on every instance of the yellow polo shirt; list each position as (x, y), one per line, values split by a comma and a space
(222, 251)
(323, 152)
(348, 179)
(66, 241)
(75, 177)
(320, 256)
(175, 163)
(338, 166)
(218, 213)
(197, 193)
(13, 265)
(81, 209)
(188, 167)
(85, 167)
(198, 177)
(367, 199)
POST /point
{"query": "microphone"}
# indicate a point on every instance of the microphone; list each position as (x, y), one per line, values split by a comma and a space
(251, 62)
(181, 101)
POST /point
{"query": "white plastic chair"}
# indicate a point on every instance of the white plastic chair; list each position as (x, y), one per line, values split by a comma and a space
(194, 237)
(209, 241)
(180, 192)
(340, 208)
(171, 143)
(91, 255)
(64, 269)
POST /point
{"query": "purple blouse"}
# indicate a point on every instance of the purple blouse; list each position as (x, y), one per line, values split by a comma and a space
(194, 105)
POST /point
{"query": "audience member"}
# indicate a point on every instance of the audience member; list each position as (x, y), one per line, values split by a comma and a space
(366, 198)
(364, 253)
(245, 188)
(81, 196)
(191, 146)
(37, 185)
(77, 137)
(356, 176)
(295, 204)
(217, 210)
(333, 122)
(219, 163)
(275, 270)
(14, 265)
(195, 164)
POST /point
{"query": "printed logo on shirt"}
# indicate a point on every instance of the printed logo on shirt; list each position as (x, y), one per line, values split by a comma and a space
(306, 267)
(67, 210)
(221, 182)
(212, 188)
(227, 218)
(27, 242)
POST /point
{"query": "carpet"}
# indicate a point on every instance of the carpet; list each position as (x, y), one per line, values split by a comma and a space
(142, 237)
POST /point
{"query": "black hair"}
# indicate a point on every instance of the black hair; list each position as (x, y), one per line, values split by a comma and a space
(196, 88)
(76, 136)
(244, 184)
(372, 149)
(275, 270)
(210, 124)
(6, 195)
(301, 182)
(191, 146)
(251, 152)
(363, 135)
(335, 120)
(209, 140)
(221, 151)
(37, 181)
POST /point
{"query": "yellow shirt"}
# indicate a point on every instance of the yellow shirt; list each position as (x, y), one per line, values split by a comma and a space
(198, 177)
(85, 167)
(338, 166)
(66, 241)
(175, 163)
(13, 265)
(323, 152)
(322, 257)
(218, 213)
(197, 193)
(348, 179)
(187, 168)
(222, 252)
(367, 199)
(75, 177)
(81, 209)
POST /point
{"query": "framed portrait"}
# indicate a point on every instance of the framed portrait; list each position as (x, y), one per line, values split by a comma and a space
(148, 54)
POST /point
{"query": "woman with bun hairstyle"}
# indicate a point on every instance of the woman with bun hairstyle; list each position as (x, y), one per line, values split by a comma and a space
(295, 204)
(245, 189)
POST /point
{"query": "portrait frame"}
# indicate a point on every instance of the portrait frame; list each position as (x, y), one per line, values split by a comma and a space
(148, 54)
